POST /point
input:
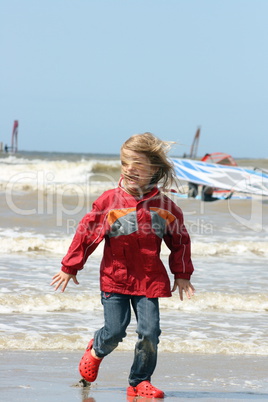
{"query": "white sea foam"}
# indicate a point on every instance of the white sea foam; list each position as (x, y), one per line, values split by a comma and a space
(77, 339)
(212, 301)
(45, 303)
(68, 177)
(203, 302)
(30, 243)
(239, 247)
(17, 241)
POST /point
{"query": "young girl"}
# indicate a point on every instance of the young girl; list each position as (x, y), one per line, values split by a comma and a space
(132, 219)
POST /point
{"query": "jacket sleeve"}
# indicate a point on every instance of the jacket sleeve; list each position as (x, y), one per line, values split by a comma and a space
(89, 233)
(178, 241)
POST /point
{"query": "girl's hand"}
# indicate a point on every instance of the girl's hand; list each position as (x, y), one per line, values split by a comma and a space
(183, 285)
(61, 278)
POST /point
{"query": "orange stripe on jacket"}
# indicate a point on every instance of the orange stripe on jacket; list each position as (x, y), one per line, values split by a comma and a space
(166, 215)
(115, 214)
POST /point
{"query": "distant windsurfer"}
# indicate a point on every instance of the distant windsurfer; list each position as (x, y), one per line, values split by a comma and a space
(207, 194)
(192, 190)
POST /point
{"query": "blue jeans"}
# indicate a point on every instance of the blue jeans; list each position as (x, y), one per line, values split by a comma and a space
(117, 313)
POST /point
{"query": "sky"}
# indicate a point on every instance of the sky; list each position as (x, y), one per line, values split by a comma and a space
(85, 75)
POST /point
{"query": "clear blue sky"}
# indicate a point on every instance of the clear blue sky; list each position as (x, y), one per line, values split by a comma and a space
(84, 75)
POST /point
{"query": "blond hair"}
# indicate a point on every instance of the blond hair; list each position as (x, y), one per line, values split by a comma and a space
(156, 151)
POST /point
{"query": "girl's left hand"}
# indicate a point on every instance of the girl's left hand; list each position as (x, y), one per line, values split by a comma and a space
(183, 285)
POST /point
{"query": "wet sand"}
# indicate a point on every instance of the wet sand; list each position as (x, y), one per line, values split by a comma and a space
(53, 376)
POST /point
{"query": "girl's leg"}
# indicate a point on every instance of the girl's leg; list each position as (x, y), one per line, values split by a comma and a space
(148, 330)
(116, 319)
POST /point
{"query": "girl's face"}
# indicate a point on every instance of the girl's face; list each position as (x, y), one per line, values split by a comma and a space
(137, 171)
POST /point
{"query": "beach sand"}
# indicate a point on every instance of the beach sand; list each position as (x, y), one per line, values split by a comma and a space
(53, 376)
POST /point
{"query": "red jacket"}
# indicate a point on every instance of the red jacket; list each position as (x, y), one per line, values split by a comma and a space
(133, 231)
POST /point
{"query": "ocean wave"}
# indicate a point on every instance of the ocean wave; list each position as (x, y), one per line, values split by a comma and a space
(80, 192)
(91, 187)
(209, 323)
(214, 346)
(235, 247)
(46, 303)
(13, 241)
(106, 167)
(203, 302)
(56, 176)
(224, 302)
(31, 243)
(74, 341)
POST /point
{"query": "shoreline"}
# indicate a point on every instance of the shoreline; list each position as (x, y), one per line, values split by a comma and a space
(53, 376)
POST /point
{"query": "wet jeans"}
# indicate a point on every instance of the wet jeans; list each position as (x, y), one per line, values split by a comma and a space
(117, 313)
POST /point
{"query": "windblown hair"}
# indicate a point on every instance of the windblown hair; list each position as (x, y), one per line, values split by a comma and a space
(156, 151)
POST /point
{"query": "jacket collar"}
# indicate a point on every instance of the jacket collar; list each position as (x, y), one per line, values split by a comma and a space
(146, 196)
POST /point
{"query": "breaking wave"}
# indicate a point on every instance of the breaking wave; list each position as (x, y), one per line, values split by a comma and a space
(52, 176)
(13, 241)
(73, 302)
(65, 322)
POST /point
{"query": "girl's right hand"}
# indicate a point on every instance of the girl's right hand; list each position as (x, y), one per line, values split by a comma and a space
(61, 278)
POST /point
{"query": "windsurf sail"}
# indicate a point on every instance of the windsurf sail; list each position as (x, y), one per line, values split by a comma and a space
(226, 177)
(219, 157)
(14, 138)
(195, 143)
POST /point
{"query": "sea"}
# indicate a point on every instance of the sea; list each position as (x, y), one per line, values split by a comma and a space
(43, 196)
